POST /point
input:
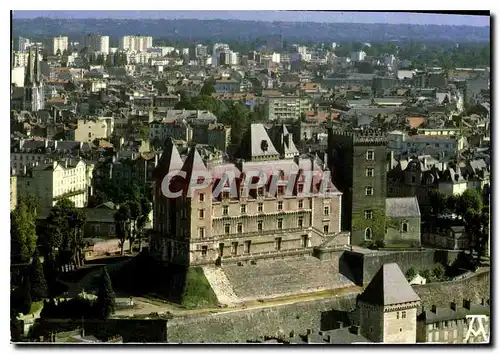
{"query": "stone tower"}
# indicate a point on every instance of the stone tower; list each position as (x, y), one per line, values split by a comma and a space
(33, 98)
(388, 308)
(358, 163)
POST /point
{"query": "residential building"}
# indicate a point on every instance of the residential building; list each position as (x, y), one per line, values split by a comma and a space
(134, 170)
(96, 43)
(58, 45)
(88, 130)
(201, 50)
(227, 86)
(439, 146)
(450, 325)
(24, 44)
(402, 221)
(388, 308)
(287, 107)
(136, 43)
(210, 228)
(52, 182)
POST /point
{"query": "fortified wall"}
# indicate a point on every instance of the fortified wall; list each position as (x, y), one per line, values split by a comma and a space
(252, 324)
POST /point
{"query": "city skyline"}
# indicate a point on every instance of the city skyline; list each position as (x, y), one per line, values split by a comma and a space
(270, 16)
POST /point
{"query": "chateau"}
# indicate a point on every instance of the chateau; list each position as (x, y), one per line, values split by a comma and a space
(237, 221)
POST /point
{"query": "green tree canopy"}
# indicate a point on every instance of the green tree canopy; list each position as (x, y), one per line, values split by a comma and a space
(37, 278)
(105, 303)
(23, 231)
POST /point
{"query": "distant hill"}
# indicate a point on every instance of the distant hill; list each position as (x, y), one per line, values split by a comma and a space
(231, 30)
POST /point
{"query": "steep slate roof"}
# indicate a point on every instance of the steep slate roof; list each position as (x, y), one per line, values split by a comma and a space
(388, 287)
(170, 160)
(402, 207)
(258, 136)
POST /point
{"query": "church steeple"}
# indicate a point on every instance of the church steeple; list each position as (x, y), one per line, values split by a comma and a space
(32, 74)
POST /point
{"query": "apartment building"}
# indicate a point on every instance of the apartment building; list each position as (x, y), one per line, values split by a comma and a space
(436, 145)
(96, 43)
(58, 45)
(449, 325)
(287, 107)
(54, 181)
(136, 43)
(88, 130)
(234, 225)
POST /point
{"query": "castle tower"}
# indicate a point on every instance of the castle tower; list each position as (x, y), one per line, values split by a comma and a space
(358, 163)
(388, 308)
(33, 98)
(164, 209)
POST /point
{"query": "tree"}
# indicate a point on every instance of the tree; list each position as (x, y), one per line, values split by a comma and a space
(121, 220)
(23, 232)
(37, 279)
(470, 199)
(438, 202)
(439, 271)
(135, 212)
(24, 304)
(143, 219)
(208, 87)
(105, 303)
(411, 273)
(426, 273)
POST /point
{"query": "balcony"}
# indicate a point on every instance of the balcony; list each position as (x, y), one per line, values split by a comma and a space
(69, 194)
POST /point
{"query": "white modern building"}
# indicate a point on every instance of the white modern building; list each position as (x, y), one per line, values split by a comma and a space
(96, 43)
(58, 45)
(136, 43)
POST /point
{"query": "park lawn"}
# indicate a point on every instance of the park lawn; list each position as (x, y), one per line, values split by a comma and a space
(198, 292)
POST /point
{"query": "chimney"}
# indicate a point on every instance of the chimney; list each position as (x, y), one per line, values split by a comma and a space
(55, 144)
(453, 306)
(467, 304)
(434, 309)
(82, 332)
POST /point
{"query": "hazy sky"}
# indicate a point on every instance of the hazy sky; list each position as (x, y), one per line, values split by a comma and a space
(302, 16)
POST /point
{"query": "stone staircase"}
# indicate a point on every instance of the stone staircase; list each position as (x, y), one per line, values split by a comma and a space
(221, 286)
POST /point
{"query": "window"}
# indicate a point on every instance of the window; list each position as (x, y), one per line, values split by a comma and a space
(368, 190)
(90, 135)
(300, 221)
(281, 190)
(201, 232)
(397, 315)
(413, 179)
(278, 243)
(225, 195)
(234, 248)
(325, 229)
(227, 228)
(404, 227)
(204, 250)
(368, 214)
(370, 155)
(326, 210)
(260, 191)
(300, 188)
(368, 234)
(240, 228)
(260, 207)
(259, 225)
(248, 244)
(280, 224)
(243, 209)
(280, 205)
(301, 204)
(202, 197)
(369, 172)
(201, 213)
(225, 210)
(403, 314)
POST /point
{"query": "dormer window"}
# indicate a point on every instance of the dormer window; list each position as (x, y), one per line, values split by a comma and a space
(264, 145)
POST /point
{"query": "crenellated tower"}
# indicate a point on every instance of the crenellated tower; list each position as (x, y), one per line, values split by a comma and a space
(359, 170)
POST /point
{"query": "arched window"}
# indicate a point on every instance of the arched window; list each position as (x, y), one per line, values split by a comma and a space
(404, 227)
(368, 233)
